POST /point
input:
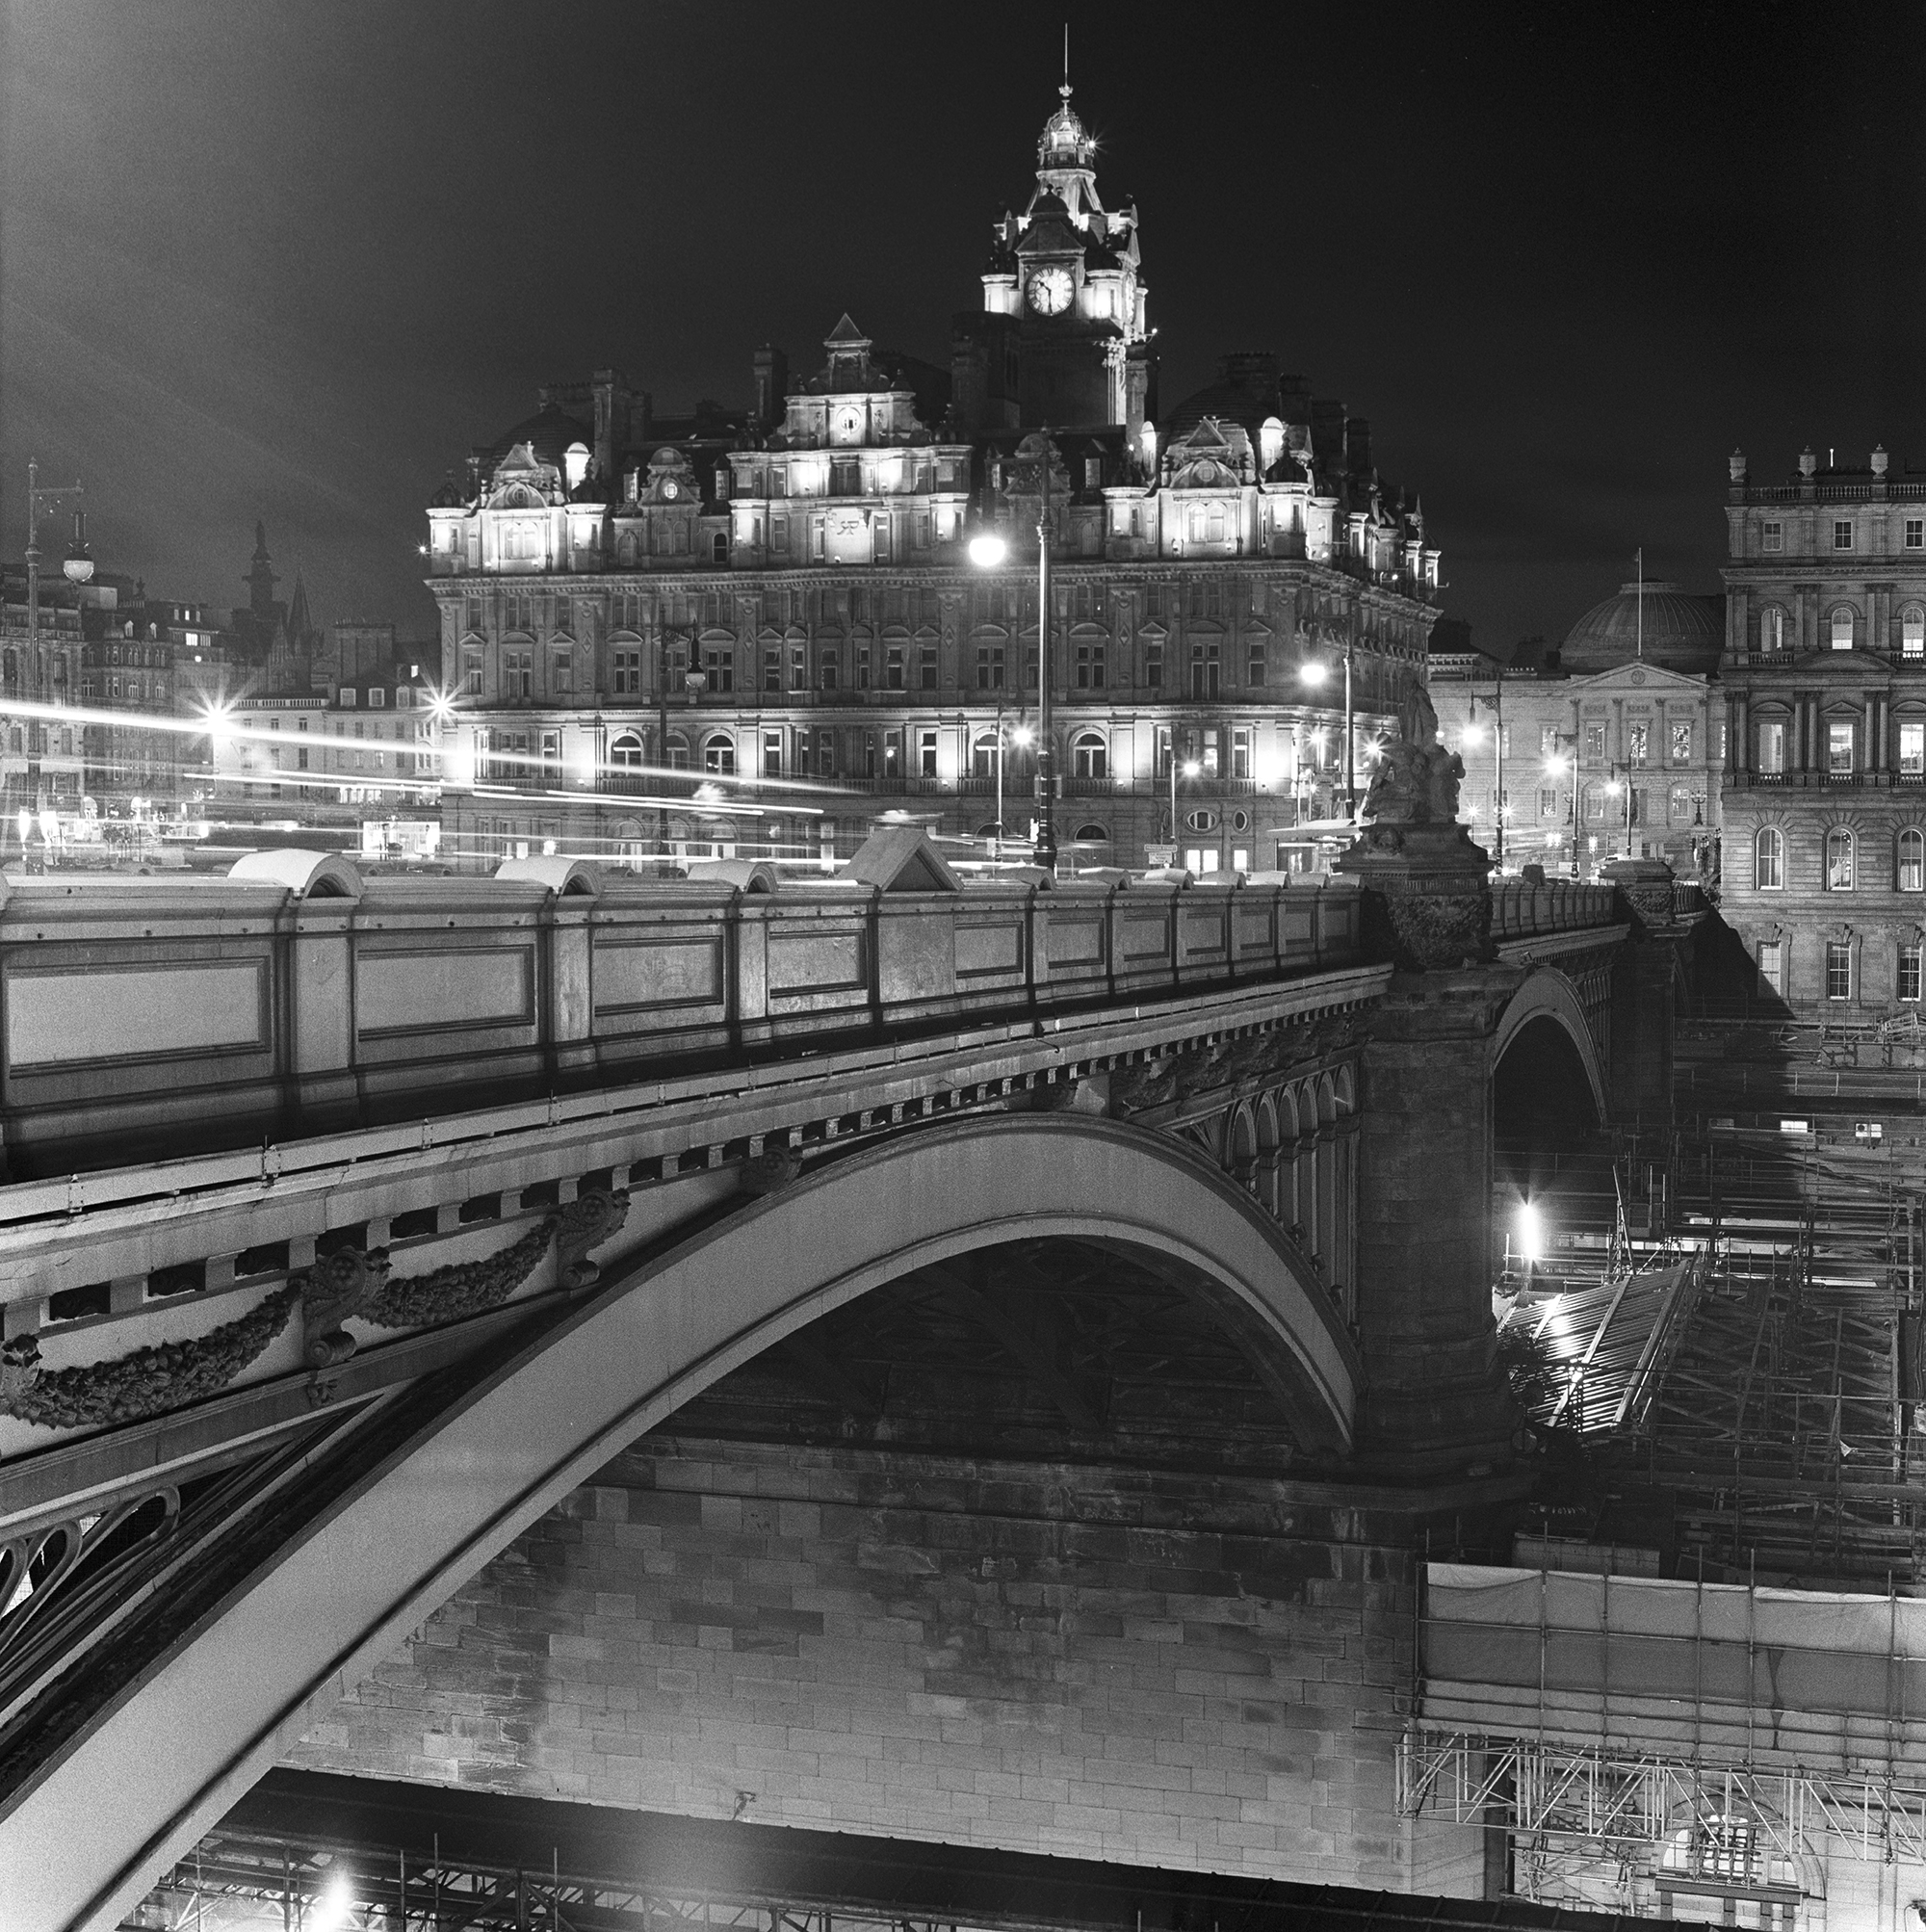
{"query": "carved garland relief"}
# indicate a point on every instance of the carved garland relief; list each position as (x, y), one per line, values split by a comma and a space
(148, 1381)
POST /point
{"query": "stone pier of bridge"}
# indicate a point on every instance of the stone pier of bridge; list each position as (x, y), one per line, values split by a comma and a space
(959, 1362)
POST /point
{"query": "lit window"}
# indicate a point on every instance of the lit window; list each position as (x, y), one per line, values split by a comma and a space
(1913, 633)
(925, 752)
(1843, 534)
(1682, 743)
(1637, 737)
(1838, 969)
(1839, 734)
(1771, 746)
(1769, 860)
(1772, 536)
(1839, 860)
(1909, 972)
(1772, 628)
(1912, 860)
(1911, 751)
(1090, 755)
(1843, 628)
(719, 754)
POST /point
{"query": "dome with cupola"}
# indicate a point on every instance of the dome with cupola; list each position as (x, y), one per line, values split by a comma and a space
(1663, 625)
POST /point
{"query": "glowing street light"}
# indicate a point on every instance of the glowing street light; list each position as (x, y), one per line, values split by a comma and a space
(1529, 1238)
(1315, 674)
(1190, 768)
(987, 551)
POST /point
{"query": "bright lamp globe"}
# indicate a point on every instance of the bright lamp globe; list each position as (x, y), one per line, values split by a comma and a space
(986, 552)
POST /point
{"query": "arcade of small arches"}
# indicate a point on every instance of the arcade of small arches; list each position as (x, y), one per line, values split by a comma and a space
(1293, 1147)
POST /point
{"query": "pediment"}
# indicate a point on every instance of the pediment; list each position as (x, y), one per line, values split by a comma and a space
(1641, 678)
(1154, 631)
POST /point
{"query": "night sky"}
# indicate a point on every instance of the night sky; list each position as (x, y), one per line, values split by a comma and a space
(290, 258)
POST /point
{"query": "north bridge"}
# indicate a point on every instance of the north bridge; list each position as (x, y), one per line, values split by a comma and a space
(887, 1352)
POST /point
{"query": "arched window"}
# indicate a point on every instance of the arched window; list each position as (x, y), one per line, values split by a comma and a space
(719, 754)
(1090, 755)
(1839, 860)
(1912, 860)
(625, 755)
(1093, 835)
(1769, 860)
(983, 755)
(1772, 628)
(1913, 632)
(1843, 628)
(678, 751)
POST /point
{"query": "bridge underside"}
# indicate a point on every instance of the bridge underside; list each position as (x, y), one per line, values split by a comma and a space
(332, 1571)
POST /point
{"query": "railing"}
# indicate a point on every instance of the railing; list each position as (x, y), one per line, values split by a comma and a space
(207, 1013)
(1872, 490)
(1522, 909)
(1688, 897)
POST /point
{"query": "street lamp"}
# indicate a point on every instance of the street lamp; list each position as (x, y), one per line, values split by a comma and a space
(1190, 768)
(1313, 674)
(1473, 731)
(1613, 787)
(39, 500)
(987, 551)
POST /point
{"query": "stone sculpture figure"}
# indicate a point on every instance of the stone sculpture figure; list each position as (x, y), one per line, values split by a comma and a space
(1417, 780)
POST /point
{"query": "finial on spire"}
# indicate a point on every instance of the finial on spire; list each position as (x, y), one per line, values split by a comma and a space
(1064, 90)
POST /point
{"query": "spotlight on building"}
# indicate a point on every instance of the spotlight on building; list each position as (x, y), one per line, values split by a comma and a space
(1021, 734)
(988, 550)
(1313, 673)
(335, 1904)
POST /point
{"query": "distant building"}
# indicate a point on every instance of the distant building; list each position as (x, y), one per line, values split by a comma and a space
(761, 631)
(1612, 742)
(1825, 781)
(359, 746)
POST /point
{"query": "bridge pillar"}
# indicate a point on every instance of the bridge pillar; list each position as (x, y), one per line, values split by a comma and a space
(1434, 1401)
(1645, 981)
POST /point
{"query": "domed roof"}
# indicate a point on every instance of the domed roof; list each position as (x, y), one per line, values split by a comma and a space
(549, 432)
(1680, 632)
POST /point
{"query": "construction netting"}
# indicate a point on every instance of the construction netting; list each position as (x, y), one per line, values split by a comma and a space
(1750, 1675)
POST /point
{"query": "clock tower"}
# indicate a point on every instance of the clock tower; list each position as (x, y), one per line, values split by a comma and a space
(1061, 339)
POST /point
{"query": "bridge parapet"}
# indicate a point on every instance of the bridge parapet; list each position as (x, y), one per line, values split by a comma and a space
(218, 1012)
(1524, 909)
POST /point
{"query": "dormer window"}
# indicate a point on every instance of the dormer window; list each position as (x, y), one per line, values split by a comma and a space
(575, 465)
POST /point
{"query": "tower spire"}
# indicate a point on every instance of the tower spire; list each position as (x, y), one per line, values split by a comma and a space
(1064, 90)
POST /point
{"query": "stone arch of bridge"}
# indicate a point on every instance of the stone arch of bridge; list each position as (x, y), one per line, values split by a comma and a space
(174, 1747)
(1547, 998)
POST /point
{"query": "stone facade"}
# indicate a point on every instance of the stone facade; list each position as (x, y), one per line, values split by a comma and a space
(781, 604)
(1190, 1671)
(1581, 753)
(1825, 781)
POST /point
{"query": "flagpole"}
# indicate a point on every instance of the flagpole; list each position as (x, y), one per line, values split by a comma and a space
(1640, 560)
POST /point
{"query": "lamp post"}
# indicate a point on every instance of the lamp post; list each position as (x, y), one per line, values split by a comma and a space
(1498, 755)
(39, 500)
(1313, 674)
(987, 551)
(1191, 767)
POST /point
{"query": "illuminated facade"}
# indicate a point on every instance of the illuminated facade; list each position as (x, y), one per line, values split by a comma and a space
(759, 634)
(1615, 745)
(1825, 779)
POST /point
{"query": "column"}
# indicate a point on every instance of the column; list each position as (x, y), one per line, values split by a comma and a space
(1434, 1401)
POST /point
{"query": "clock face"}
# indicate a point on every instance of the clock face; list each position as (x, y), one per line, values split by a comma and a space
(1051, 290)
(670, 492)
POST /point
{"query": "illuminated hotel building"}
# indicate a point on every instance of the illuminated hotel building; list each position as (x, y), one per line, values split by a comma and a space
(757, 632)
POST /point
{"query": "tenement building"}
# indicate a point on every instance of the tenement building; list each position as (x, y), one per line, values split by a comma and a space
(1825, 780)
(756, 633)
(1611, 744)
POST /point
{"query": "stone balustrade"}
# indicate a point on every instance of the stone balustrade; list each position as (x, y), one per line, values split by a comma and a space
(297, 997)
(1522, 909)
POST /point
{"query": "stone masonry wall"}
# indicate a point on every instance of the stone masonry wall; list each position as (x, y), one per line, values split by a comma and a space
(1174, 1670)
